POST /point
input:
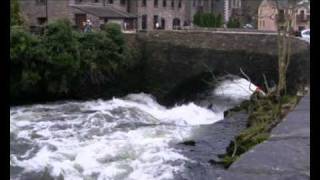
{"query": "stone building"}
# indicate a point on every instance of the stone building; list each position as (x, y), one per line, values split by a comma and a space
(268, 12)
(38, 12)
(302, 16)
(130, 14)
(102, 11)
(169, 14)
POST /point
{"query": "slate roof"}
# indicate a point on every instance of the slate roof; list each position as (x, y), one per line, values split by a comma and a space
(104, 11)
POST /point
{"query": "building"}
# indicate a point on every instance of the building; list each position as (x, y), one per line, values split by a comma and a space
(103, 11)
(38, 12)
(168, 14)
(250, 12)
(268, 12)
(232, 8)
(130, 14)
(302, 16)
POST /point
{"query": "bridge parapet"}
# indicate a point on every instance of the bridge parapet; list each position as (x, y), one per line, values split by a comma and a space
(257, 42)
(174, 57)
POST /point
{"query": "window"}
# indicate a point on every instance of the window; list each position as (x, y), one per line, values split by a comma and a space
(95, 1)
(194, 3)
(155, 3)
(172, 4)
(110, 1)
(176, 23)
(281, 16)
(41, 20)
(123, 2)
(144, 3)
(144, 21)
(164, 3)
(40, 2)
(163, 23)
(180, 3)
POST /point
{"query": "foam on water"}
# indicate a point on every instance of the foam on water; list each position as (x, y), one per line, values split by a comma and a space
(126, 138)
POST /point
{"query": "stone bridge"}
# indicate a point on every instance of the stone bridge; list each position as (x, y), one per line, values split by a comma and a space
(176, 61)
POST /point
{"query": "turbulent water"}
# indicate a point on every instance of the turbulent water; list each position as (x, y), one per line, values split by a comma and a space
(122, 138)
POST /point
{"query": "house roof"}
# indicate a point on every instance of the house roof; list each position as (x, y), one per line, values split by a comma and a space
(104, 11)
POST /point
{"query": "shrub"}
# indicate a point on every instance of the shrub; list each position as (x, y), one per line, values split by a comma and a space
(233, 23)
(99, 59)
(206, 20)
(15, 16)
(26, 53)
(114, 32)
(219, 21)
(62, 50)
(59, 62)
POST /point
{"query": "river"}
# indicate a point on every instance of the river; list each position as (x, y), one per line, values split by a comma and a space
(130, 138)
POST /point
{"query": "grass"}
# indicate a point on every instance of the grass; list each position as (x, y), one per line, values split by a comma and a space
(264, 114)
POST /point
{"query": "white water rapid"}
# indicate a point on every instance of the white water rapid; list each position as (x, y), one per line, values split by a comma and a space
(127, 138)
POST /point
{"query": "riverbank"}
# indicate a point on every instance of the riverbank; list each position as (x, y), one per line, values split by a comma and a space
(210, 141)
(285, 155)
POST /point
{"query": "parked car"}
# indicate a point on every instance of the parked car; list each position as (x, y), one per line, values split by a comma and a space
(305, 34)
(248, 26)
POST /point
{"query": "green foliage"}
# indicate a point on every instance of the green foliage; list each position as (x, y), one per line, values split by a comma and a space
(59, 62)
(228, 160)
(23, 45)
(99, 56)
(25, 53)
(62, 50)
(61, 44)
(219, 21)
(15, 16)
(264, 114)
(196, 19)
(207, 20)
(233, 23)
(114, 32)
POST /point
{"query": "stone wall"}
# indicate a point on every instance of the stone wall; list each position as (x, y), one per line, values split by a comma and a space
(172, 58)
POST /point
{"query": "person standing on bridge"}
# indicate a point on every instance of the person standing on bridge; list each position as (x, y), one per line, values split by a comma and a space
(88, 26)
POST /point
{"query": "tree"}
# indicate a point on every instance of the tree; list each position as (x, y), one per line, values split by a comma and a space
(196, 19)
(284, 20)
(219, 20)
(206, 20)
(283, 15)
(15, 16)
(62, 50)
(233, 23)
